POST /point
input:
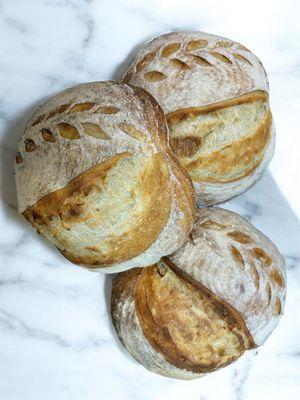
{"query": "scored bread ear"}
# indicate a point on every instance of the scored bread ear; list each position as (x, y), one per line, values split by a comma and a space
(214, 93)
(200, 309)
(94, 176)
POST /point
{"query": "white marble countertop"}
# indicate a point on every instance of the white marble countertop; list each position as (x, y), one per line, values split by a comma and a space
(56, 337)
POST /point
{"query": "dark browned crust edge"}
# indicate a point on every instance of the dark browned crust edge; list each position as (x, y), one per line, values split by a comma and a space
(222, 308)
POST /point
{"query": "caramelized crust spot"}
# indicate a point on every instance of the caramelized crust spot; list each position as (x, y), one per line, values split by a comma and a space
(145, 61)
(277, 307)
(127, 77)
(19, 158)
(132, 131)
(240, 237)
(81, 107)
(201, 60)
(261, 256)
(178, 64)
(214, 225)
(154, 76)
(68, 131)
(186, 146)
(106, 110)
(237, 256)
(196, 44)
(47, 135)
(95, 130)
(170, 49)
(276, 277)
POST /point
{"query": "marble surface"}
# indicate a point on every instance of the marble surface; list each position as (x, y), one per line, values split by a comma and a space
(56, 337)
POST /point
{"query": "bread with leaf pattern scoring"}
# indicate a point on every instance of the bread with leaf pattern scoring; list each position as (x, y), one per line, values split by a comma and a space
(201, 308)
(214, 93)
(95, 175)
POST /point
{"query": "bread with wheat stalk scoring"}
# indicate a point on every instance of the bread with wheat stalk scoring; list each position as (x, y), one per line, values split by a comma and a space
(214, 93)
(200, 309)
(95, 175)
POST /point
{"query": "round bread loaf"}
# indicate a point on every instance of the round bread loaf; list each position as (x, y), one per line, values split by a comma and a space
(95, 176)
(198, 310)
(214, 93)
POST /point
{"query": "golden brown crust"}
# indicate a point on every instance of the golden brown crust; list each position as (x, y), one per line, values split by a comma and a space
(68, 206)
(168, 310)
(221, 307)
(184, 323)
(234, 161)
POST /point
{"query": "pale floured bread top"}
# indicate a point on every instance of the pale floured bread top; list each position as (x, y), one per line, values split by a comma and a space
(77, 129)
(193, 69)
(239, 264)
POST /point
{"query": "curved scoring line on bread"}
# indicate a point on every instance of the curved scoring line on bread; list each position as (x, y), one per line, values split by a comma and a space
(220, 57)
(201, 60)
(94, 130)
(237, 256)
(160, 328)
(132, 131)
(154, 76)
